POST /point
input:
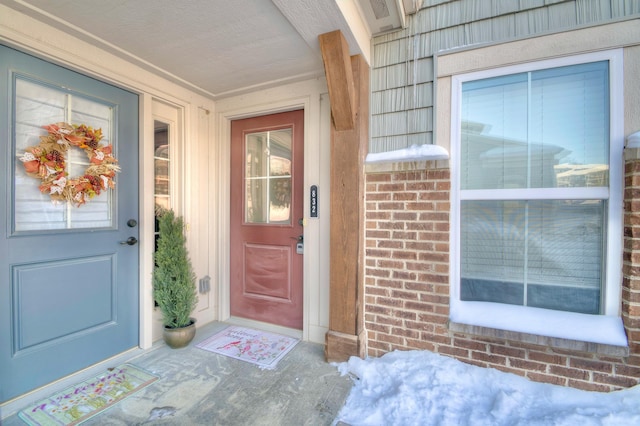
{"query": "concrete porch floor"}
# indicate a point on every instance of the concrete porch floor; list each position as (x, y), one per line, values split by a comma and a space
(198, 387)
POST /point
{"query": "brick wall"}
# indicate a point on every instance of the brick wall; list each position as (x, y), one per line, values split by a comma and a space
(407, 287)
(631, 260)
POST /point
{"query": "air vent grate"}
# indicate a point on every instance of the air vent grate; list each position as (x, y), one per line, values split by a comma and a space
(380, 9)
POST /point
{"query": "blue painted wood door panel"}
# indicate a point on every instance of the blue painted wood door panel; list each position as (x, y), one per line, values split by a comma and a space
(68, 287)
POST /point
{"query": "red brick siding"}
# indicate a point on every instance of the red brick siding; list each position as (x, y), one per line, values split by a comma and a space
(407, 287)
(631, 267)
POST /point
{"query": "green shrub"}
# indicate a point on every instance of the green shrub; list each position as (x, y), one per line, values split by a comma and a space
(174, 282)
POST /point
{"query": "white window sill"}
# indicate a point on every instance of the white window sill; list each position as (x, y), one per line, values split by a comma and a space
(599, 329)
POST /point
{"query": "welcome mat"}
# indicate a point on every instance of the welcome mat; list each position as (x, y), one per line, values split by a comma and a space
(257, 347)
(83, 401)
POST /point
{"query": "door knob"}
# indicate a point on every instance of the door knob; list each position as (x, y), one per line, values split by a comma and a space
(130, 241)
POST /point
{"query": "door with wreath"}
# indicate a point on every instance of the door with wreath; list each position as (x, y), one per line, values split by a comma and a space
(69, 212)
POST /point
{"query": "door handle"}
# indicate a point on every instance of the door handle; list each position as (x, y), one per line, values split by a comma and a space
(299, 238)
(130, 241)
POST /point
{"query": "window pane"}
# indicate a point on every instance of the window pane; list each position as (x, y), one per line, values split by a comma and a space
(546, 253)
(280, 200)
(268, 177)
(544, 129)
(494, 116)
(492, 257)
(161, 165)
(255, 201)
(256, 155)
(569, 116)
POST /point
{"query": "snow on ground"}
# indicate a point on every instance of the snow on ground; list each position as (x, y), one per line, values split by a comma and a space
(423, 388)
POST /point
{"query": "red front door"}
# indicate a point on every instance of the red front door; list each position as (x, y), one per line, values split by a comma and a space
(266, 218)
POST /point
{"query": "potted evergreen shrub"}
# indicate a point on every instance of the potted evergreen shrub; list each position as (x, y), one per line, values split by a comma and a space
(174, 287)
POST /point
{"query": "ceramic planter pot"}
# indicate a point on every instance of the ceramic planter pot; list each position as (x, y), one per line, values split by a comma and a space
(179, 337)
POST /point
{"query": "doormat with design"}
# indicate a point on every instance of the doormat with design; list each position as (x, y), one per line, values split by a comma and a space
(257, 347)
(83, 401)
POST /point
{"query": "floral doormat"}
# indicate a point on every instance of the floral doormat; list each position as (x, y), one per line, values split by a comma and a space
(83, 401)
(257, 347)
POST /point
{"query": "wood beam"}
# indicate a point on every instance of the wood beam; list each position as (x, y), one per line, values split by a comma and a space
(346, 336)
(337, 68)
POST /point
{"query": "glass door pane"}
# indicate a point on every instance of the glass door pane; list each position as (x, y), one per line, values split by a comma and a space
(37, 105)
(161, 163)
(161, 159)
(268, 177)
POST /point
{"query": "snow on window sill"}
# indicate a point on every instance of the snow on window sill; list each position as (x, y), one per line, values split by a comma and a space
(567, 330)
(633, 140)
(426, 152)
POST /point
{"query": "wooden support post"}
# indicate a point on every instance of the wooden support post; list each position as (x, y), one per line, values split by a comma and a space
(337, 68)
(346, 336)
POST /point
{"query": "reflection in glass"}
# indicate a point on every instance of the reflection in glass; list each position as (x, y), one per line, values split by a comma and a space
(162, 194)
(161, 164)
(268, 177)
(540, 129)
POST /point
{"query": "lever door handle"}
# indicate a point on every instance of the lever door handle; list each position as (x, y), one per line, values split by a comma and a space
(130, 241)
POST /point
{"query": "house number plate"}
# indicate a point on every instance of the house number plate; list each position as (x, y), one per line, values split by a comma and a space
(313, 200)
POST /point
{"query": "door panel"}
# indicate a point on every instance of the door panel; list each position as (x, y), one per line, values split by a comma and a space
(265, 264)
(85, 307)
(68, 287)
(266, 210)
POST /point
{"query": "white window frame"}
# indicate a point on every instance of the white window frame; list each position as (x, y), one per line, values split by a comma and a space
(606, 328)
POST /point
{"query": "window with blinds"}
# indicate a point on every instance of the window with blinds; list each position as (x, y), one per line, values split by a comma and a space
(534, 196)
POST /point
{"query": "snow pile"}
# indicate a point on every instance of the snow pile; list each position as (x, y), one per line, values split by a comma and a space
(423, 388)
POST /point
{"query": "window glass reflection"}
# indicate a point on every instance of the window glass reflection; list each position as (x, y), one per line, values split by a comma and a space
(268, 177)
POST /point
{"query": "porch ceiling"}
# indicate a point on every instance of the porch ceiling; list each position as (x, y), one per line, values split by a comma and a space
(215, 47)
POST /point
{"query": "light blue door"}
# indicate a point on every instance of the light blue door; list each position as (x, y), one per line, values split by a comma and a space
(68, 287)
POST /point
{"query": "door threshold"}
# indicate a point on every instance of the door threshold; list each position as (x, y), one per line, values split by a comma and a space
(16, 404)
(265, 326)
